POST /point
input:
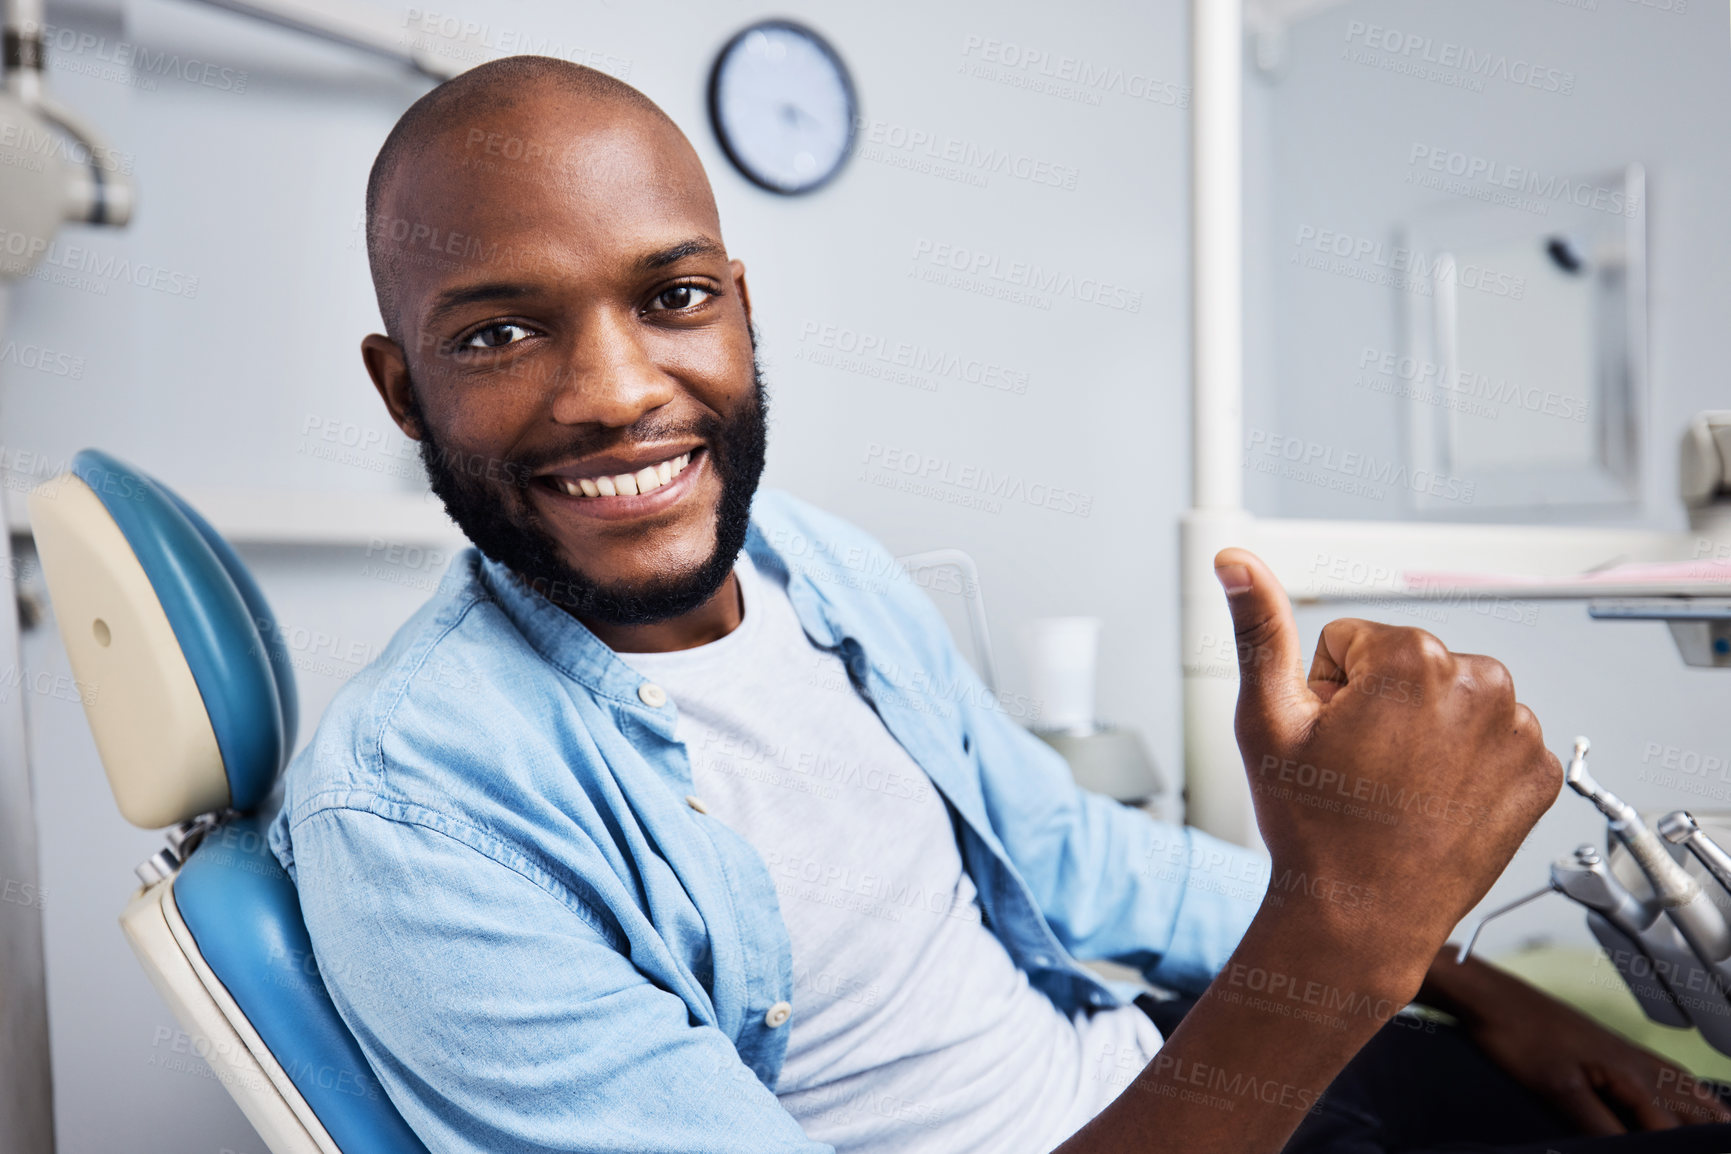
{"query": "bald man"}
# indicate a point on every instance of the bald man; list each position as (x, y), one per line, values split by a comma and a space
(675, 822)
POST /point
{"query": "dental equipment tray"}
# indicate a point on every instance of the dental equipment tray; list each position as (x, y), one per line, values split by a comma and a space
(1701, 626)
(1663, 925)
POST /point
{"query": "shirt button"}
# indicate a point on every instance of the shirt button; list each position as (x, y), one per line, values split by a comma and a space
(778, 1015)
(696, 803)
(652, 694)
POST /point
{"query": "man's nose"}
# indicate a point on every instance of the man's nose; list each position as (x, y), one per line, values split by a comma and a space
(610, 378)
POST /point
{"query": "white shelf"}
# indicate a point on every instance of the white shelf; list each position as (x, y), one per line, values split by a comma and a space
(283, 517)
(1343, 561)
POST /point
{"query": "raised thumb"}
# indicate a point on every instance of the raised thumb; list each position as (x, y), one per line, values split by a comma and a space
(1270, 662)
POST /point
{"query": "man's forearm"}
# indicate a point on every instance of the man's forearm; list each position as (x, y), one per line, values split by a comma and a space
(1313, 980)
(1239, 1074)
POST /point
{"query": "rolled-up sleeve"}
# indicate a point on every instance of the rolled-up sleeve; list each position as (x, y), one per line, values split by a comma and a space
(1113, 883)
(498, 1013)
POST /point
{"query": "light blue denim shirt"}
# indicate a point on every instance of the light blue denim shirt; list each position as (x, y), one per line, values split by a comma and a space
(541, 946)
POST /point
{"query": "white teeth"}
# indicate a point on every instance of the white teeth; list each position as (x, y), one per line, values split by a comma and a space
(644, 480)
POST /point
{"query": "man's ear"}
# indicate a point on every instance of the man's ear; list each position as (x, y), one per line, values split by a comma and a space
(390, 372)
(737, 268)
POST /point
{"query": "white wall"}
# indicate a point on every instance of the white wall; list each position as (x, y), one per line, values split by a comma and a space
(256, 194)
(1332, 140)
(1649, 85)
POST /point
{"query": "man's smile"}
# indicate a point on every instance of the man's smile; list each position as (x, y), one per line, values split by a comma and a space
(616, 487)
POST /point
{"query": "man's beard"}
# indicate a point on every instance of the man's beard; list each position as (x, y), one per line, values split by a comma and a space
(504, 524)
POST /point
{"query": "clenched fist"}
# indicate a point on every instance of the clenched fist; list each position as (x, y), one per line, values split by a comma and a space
(1394, 764)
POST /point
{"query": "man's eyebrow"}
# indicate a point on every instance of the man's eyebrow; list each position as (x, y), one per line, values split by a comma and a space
(673, 254)
(456, 298)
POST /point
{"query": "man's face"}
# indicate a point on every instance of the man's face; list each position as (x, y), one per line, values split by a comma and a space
(578, 362)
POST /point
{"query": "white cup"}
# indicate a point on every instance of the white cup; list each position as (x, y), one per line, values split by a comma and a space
(1061, 654)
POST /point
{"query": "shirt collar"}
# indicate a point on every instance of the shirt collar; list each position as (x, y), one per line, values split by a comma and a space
(569, 646)
(816, 613)
(565, 642)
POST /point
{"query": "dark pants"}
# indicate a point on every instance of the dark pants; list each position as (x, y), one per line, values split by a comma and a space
(1424, 1088)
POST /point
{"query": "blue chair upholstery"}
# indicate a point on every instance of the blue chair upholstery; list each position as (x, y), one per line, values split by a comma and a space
(211, 621)
(239, 906)
(244, 913)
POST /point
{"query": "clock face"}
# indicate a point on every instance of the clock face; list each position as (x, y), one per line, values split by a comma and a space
(783, 106)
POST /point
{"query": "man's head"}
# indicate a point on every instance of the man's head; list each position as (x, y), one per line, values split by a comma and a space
(567, 338)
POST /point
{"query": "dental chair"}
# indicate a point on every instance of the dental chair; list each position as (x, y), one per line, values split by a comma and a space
(192, 703)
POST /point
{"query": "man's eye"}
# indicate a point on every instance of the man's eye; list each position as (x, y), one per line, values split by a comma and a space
(496, 336)
(683, 296)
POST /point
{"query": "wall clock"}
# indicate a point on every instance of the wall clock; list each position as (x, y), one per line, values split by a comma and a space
(783, 107)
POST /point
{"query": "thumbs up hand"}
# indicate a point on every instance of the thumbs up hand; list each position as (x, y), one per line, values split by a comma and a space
(1393, 764)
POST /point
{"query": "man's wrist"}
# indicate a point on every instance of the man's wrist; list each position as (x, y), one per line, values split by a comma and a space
(1331, 962)
(1301, 994)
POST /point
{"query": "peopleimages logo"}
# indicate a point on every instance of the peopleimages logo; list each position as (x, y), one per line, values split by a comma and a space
(42, 360)
(459, 38)
(1527, 181)
(32, 144)
(858, 349)
(960, 483)
(1412, 47)
(1070, 77)
(1364, 470)
(1476, 385)
(1023, 282)
(887, 142)
(1407, 269)
(74, 48)
(18, 250)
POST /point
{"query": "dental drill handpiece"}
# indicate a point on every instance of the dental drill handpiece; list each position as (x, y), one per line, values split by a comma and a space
(1681, 828)
(1644, 947)
(1688, 906)
(1624, 925)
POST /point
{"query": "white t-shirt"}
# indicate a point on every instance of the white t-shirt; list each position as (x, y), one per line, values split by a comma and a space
(912, 1030)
